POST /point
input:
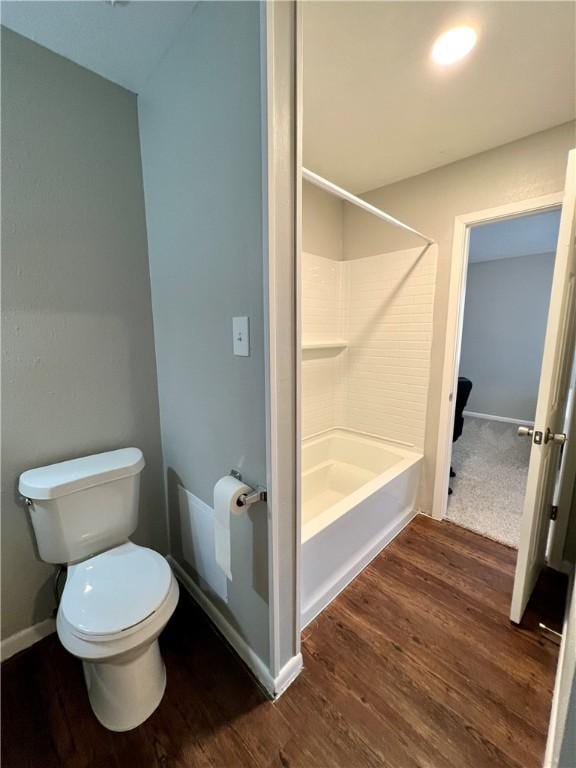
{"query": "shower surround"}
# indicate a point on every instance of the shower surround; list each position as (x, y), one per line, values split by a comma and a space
(366, 342)
(379, 309)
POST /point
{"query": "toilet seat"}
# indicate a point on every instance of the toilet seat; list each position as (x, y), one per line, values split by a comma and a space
(109, 647)
(114, 593)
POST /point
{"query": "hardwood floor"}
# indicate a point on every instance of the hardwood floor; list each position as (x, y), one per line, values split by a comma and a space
(415, 664)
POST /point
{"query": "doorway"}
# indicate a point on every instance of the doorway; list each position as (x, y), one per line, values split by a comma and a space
(506, 298)
(518, 222)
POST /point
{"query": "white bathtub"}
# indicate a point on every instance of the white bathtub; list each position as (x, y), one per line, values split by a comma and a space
(358, 492)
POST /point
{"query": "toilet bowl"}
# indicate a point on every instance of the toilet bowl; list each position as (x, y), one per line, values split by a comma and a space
(113, 608)
(118, 596)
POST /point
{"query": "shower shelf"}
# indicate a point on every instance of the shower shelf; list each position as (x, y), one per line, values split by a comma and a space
(324, 344)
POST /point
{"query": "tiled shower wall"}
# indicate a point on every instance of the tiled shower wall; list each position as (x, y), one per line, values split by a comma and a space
(322, 318)
(382, 306)
(388, 320)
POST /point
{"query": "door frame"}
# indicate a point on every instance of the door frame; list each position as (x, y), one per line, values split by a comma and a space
(454, 324)
(281, 226)
(559, 725)
(559, 527)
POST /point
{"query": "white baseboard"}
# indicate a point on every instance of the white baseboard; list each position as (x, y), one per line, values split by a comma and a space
(26, 638)
(504, 419)
(287, 675)
(273, 686)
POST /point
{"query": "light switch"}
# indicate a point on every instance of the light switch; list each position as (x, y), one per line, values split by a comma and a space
(241, 335)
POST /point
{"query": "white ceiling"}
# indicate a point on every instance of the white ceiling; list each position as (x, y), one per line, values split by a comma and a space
(122, 42)
(510, 238)
(377, 109)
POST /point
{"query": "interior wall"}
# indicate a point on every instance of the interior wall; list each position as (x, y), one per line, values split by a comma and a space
(505, 319)
(200, 123)
(322, 222)
(523, 169)
(79, 372)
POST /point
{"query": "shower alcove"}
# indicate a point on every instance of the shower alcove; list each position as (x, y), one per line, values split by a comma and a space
(366, 331)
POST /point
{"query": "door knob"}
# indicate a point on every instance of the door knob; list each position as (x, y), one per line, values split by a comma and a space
(555, 437)
(525, 431)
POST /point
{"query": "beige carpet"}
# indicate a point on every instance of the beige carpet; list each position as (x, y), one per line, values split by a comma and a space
(491, 464)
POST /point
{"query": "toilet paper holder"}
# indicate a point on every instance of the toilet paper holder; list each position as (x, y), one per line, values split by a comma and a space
(256, 495)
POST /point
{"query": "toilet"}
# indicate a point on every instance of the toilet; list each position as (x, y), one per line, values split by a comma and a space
(118, 596)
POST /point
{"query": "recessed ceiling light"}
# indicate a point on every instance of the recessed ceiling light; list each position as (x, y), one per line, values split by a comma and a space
(454, 45)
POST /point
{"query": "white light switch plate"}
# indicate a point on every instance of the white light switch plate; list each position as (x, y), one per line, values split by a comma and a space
(241, 336)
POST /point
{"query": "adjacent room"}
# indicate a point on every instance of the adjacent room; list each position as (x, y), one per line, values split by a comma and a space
(506, 300)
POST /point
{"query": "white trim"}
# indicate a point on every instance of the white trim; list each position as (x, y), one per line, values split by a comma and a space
(287, 675)
(273, 686)
(26, 638)
(564, 491)
(299, 141)
(268, 223)
(503, 419)
(453, 335)
(280, 200)
(565, 670)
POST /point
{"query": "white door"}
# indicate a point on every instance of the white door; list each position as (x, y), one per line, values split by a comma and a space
(547, 435)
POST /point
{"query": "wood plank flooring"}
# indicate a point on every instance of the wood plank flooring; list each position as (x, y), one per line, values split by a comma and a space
(415, 665)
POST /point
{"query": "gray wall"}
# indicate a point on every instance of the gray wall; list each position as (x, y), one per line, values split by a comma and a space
(79, 374)
(430, 202)
(201, 146)
(503, 335)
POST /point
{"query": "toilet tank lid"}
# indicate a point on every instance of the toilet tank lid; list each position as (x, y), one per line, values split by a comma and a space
(75, 475)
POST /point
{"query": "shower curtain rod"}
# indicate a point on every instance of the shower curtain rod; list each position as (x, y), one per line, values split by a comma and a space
(313, 178)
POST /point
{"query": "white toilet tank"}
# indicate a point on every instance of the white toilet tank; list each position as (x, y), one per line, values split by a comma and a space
(84, 506)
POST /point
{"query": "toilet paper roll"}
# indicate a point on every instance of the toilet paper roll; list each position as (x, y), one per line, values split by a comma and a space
(227, 492)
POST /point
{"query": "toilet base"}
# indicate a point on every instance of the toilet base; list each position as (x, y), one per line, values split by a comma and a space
(124, 693)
